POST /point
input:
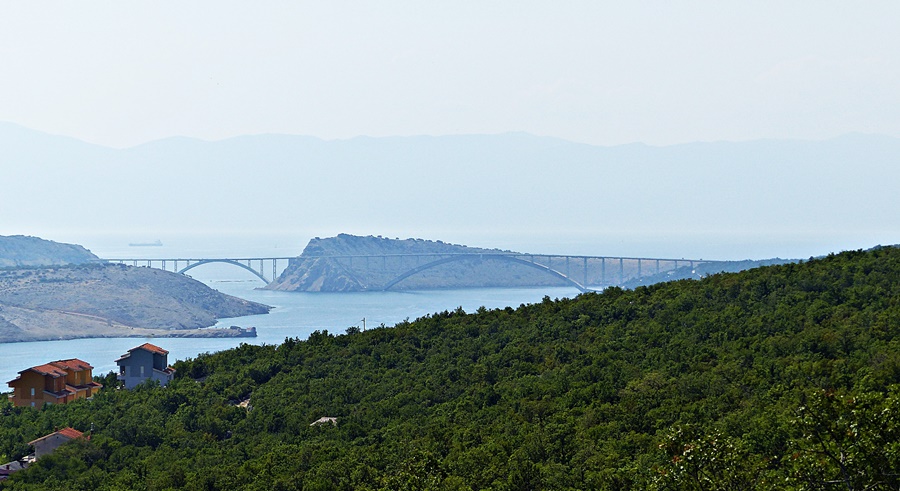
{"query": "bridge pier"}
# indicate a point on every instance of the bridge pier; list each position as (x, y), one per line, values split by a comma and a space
(585, 272)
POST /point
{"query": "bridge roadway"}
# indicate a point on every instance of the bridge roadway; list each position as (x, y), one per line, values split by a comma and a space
(582, 272)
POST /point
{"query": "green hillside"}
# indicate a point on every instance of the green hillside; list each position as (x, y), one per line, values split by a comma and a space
(783, 377)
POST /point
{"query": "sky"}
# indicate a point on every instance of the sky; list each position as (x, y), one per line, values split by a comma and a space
(123, 73)
(120, 73)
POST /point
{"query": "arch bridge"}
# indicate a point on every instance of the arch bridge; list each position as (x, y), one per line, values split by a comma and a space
(264, 268)
(386, 271)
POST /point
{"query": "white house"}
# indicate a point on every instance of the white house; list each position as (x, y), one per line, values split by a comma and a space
(49, 443)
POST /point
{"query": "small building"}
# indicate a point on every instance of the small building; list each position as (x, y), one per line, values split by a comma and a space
(46, 444)
(325, 420)
(145, 362)
(57, 382)
(7, 469)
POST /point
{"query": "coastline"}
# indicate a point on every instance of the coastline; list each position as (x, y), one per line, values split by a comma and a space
(136, 332)
(26, 325)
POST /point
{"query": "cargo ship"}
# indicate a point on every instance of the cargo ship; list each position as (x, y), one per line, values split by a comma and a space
(158, 243)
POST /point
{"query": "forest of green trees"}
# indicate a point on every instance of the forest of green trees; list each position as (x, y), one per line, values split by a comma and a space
(783, 377)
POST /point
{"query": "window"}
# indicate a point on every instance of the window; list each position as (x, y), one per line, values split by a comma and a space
(32, 395)
(142, 371)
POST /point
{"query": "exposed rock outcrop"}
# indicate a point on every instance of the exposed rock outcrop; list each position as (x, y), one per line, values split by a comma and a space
(111, 300)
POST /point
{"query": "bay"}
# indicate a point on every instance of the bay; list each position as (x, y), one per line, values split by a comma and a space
(295, 315)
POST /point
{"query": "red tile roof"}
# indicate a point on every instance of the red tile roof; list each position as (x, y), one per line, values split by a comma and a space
(48, 369)
(72, 364)
(147, 347)
(70, 433)
(58, 368)
(151, 348)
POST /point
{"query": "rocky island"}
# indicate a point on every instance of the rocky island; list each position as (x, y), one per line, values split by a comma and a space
(53, 299)
(350, 263)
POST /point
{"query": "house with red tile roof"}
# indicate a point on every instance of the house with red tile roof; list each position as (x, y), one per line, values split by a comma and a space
(145, 362)
(57, 382)
(48, 443)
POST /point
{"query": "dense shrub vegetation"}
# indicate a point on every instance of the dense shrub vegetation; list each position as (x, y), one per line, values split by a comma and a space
(782, 377)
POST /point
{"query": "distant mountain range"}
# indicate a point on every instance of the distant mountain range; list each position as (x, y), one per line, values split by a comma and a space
(516, 183)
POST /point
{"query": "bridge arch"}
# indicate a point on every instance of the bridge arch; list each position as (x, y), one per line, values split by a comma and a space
(496, 257)
(226, 261)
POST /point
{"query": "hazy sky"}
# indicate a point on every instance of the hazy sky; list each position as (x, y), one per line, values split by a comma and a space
(121, 73)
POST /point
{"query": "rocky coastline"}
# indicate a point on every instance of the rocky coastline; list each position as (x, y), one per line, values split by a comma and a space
(111, 300)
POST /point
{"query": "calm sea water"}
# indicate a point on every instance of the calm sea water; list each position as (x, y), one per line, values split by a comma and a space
(294, 315)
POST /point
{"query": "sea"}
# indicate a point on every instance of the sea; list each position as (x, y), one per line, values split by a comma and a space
(294, 314)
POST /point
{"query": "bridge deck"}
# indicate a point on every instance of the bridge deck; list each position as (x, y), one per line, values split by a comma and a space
(580, 271)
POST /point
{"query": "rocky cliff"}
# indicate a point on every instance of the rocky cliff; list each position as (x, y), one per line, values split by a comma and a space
(352, 263)
(19, 251)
